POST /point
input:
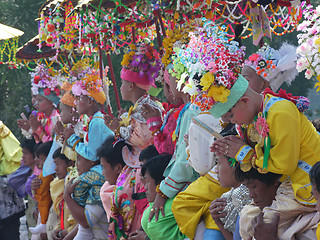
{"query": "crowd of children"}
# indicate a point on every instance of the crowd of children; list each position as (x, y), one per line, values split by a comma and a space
(226, 157)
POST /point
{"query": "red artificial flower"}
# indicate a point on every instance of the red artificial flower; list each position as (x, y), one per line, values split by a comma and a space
(51, 27)
(84, 40)
(121, 9)
(36, 79)
(91, 35)
(57, 91)
(49, 39)
(47, 91)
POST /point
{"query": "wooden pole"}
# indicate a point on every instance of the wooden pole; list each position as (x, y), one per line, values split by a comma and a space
(113, 79)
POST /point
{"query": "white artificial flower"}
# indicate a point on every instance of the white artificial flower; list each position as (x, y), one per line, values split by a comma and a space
(304, 48)
(309, 73)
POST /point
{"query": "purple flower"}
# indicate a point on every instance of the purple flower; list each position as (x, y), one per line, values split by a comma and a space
(136, 60)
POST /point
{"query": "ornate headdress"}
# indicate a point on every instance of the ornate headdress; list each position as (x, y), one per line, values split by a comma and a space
(46, 82)
(209, 68)
(275, 66)
(89, 83)
(141, 64)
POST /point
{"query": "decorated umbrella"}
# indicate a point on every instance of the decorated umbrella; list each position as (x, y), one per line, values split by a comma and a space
(9, 38)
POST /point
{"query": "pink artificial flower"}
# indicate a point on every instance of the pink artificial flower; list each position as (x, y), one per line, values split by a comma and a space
(254, 57)
(262, 127)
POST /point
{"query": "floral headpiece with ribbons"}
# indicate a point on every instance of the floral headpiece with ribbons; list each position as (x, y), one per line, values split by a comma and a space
(89, 82)
(209, 67)
(141, 64)
(275, 66)
(46, 82)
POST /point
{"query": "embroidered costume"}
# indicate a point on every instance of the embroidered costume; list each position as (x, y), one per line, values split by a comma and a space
(121, 202)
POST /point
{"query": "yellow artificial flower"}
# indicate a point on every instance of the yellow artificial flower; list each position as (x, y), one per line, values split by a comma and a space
(206, 81)
(133, 46)
(317, 41)
(219, 93)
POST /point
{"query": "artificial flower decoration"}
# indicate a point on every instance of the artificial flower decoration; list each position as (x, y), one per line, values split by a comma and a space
(142, 59)
(88, 81)
(46, 79)
(262, 61)
(212, 63)
(309, 40)
(262, 126)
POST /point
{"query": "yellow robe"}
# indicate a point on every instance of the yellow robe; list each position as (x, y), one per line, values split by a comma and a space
(193, 204)
(294, 146)
(10, 151)
(56, 191)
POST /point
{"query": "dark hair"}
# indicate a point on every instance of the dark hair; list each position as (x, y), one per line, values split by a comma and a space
(57, 154)
(314, 175)
(148, 153)
(111, 151)
(28, 144)
(267, 178)
(43, 148)
(316, 124)
(156, 166)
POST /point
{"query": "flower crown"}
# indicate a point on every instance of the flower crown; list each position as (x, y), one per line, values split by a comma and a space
(47, 79)
(143, 59)
(262, 61)
(90, 83)
(175, 39)
(212, 63)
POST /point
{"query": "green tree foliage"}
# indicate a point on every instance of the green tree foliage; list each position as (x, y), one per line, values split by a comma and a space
(15, 84)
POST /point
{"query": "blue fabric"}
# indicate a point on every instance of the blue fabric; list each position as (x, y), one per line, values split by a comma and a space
(49, 166)
(236, 233)
(211, 234)
(98, 132)
(88, 189)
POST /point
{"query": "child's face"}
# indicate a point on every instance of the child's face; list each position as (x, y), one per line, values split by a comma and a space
(262, 194)
(256, 82)
(110, 173)
(124, 89)
(83, 165)
(61, 167)
(225, 172)
(43, 104)
(150, 186)
(40, 160)
(173, 87)
(241, 113)
(27, 157)
(316, 195)
(66, 113)
(83, 104)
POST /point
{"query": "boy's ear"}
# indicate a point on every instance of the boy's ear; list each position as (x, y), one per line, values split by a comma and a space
(245, 99)
(131, 86)
(118, 167)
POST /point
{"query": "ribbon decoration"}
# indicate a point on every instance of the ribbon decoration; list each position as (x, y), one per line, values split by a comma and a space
(260, 24)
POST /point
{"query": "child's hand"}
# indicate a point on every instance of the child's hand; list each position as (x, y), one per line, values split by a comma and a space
(36, 183)
(23, 124)
(58, 128)
(68, 190)
(67, 132)
(216, 208)
(111, 122)
(228, 146)
(138, 235)
(34, 123)
(158, 207)
(260, 228)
